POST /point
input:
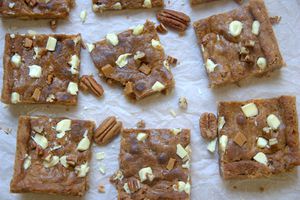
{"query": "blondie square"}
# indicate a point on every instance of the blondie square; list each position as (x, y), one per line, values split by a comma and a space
(258, 137)
(134, 59)
(41, 69)
(238, 44)
(52, 156)
(154, 164)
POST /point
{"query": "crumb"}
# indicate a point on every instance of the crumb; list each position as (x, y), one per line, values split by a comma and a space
(141, 124)
(234, 187)
(261, 189)
(101, 188)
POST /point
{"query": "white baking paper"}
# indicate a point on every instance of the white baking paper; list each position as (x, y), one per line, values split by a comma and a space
(191, 82)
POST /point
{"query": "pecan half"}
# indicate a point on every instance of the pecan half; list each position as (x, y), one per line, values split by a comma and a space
(88, 83)
(275, 19)
(134, 185)
(72, 160)
(174, 19)
(109, 129)
(208, 126)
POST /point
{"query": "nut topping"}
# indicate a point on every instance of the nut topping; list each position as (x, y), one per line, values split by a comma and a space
(171, 164)
(161, 28)
(208, 126)
(107, 131)
(88, 83)
(174, 19)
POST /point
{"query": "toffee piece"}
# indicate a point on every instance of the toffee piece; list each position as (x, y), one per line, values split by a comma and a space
(41, 69)
(258, 137)
(134, 59)
(238, 44)
(154, 164)
(52, 156)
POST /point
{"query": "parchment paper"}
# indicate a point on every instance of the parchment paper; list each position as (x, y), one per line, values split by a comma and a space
(191, 82)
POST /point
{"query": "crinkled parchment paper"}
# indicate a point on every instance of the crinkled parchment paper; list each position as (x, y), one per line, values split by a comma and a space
(191, 82)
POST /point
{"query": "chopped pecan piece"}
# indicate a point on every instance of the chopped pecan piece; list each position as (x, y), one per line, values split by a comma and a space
(208, 126)
(31, 3)
(161, 28)
(128, 88)
(50, 79)
(171, 60)
(109, 129)
(88, 83)
(275, 19)
(53, 24)
(174, 19)
(72, 160)
(134, 185)
(171, 164)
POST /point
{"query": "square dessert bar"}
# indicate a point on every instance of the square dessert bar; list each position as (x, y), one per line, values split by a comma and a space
(134, 59)
(52, 156)
(154, 164)
(238, 44)
(258, 137)
(34, 9)
(102, 5)
(41, 69)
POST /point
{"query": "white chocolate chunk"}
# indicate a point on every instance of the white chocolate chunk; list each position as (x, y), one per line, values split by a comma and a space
(16, 60)
(11, 5)
(138, 29)
(261, 158)
(40, 140)
(210, 66)
(261, 63)
(63, 161)
(147, 4)
(100, 155)
(117, 6)
(142, 137)
(235, 28)
(186, 165)
(158, 86)
(12, 36)
(112, 38)
(82, 170)
(51, 44)
(50, 98)
(145, 173)
(261, 142)
(255, 27)
(180, 151)
(223, 140)
(273, 121)
(273, 141)
(181, 186)
(84, 144)
(37, 51)
(90, 47)
(126, 188)
(15, 98)
(35, 71)
(211, 147)
(122, 60)
(63, 126)
(250, 110)
(187, 188)
(221, 123)
(139, 55)
(156, 44)
(27, 162)
(74, 62)
(176, 131)
(83, 15)
(72, 88)
(54, 161)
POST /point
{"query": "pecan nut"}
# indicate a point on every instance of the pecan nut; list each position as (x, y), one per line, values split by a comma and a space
(109, 129)
(208, 126)
(174, 19)
(88, 83)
